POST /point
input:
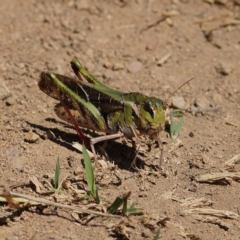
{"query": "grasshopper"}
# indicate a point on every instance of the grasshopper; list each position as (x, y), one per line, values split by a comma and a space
(92, 105)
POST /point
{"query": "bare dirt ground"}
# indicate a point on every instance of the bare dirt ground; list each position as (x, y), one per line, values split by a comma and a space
(124, 44)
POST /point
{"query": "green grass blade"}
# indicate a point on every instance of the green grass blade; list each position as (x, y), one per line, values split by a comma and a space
(125, 210)
(116, 204)
(57, 174)
(177, 120)
(134, 211)
(90, 174)
(157, 235)
(97, 197)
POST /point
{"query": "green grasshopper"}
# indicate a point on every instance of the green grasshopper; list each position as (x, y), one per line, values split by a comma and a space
(92, 105)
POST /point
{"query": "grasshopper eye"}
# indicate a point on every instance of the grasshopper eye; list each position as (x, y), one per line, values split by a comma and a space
(148, 108)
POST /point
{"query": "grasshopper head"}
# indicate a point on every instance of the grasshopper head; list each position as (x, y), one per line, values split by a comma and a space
(152, 116)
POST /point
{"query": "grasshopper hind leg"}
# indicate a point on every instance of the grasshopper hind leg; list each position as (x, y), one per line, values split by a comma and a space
(79, 118)
(62, 114)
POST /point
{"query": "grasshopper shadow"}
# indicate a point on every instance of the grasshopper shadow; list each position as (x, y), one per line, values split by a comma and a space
(119, 153)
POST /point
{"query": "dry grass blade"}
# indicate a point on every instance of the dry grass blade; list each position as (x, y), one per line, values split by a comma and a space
(230, 164)
(164, 59)
(209, 25)
(185, 232)
(36, 183)
(219, 177)
(212, 212)
(196, 202)
(4, 91)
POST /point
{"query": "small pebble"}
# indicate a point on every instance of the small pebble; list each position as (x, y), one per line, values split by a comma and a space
(178, 102)
(72, 162)
(10, 101)
(12, 237)
(191, 134)
(192, 189)
(169, 21)
(107, 64)
(151, 46)
(217, 98)
(146, 234)
(224, 69)
(20, 65)
(117, 66)
(134, 67)
(78, 171)
(203, 103)
(31, 137)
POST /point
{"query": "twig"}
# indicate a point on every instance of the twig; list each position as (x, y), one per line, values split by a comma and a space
(75, 209)
(153, 24)
(20, 184)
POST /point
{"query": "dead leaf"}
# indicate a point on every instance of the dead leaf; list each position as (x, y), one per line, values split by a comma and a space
(36, 183)
(6, 194)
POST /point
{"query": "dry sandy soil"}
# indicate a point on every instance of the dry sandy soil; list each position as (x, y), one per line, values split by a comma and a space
(124, 44)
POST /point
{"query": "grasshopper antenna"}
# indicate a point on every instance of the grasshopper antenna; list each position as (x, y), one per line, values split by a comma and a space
(165, 102)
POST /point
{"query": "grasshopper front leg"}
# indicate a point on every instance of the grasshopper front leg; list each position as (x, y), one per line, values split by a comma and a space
(100, 139)
(160, 145)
